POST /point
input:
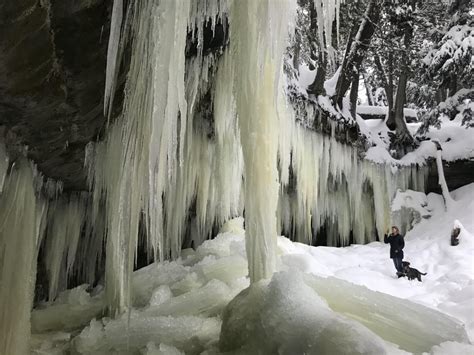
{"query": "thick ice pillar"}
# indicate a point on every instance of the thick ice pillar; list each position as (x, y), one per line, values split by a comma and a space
(258, 40)
(20, 217)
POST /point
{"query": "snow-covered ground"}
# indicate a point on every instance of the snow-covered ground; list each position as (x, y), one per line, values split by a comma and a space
(323, 296)
(456, 141)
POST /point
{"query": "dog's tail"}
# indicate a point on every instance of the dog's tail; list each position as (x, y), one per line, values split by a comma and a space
(424, 273)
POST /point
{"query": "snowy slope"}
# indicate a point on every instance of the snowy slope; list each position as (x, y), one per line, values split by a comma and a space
(449, 285)
(178, 305)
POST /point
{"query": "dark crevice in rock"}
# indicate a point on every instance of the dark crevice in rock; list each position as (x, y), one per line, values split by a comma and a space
(457, 173)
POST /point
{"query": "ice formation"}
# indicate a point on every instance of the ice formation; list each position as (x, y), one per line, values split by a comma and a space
(275, 318)
(160, 179)
(158, 168)
(21, 223)
(64, 231)
(258, 40)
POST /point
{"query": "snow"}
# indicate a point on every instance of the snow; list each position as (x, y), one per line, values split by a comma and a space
(456, 44)
(456, 140)
(304, 79)
(320, 298)
(382, 111)
(330, 84)
(408, 208)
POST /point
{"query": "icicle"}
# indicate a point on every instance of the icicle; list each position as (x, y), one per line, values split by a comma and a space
(327, 11)
(112, 56)
(20, 225)
(3, 165)
(448, 200)
(67, 216)
(143, 154)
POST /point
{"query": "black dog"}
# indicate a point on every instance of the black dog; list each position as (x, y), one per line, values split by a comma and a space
(410, 272)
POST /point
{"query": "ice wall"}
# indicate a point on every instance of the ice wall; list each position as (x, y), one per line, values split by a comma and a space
(148, 170)
(332, 187)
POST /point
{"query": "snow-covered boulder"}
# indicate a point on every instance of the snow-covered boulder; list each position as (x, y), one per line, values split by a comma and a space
(286, 316)
(408, 208)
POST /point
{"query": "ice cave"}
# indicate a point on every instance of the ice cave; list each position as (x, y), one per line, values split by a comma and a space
(223, 177)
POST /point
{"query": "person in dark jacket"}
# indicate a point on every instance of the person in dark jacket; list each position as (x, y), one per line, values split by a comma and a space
(396, 248)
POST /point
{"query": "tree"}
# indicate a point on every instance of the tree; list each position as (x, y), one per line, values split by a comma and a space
(356, 50)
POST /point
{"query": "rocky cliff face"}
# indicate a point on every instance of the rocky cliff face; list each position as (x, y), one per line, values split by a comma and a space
(52, 72)
(458, 173)
(52, 77)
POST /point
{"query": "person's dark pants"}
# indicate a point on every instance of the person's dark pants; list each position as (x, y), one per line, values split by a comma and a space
(398, 264)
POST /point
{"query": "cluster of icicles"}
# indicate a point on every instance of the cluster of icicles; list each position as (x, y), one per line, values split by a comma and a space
(158, 180)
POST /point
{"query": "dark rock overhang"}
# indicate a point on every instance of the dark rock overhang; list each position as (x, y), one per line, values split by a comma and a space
(53, 57)
(52, 70)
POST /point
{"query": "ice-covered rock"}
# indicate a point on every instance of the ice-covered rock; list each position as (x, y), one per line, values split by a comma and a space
(160, 295)
(224, 244)
(129, 335)
(411, 326)
(225, 269)
(286, 316)
(162, 349)
(188, 283)
(72, 309)
(52, 343)
(408, 208)
(208, 300)
(234, 226)
(147, 279)
(451, 347)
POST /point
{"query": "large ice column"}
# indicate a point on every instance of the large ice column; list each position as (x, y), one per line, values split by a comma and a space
(258, 38)
(21, 216)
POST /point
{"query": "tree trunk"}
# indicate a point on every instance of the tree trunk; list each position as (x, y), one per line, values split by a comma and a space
(354, 95)
(400, 99)
(402, 142)
(387, 84)
(368, 91)
(358, 50)
(317, 86)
